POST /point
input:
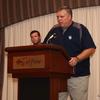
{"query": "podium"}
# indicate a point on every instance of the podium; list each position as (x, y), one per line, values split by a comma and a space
(45, 64)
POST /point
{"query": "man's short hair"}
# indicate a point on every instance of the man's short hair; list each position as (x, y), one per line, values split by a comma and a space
(35, 31)
(68, 9)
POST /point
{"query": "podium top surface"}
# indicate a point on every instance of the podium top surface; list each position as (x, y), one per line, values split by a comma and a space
(34, 47)
(37, 48)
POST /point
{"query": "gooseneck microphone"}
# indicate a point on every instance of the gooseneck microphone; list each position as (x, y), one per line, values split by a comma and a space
(52, 36)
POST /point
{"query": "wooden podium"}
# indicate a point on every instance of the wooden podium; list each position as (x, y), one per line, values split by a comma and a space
(47, 63)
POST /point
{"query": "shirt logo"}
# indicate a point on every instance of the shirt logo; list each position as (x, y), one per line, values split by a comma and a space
(70, 37)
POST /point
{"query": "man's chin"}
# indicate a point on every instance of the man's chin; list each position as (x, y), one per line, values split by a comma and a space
(61, 25)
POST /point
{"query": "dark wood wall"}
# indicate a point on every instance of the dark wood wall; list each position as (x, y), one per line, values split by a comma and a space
(13, 11)
(1, 60)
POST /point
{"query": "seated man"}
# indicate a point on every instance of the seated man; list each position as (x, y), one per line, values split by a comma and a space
(35, 37)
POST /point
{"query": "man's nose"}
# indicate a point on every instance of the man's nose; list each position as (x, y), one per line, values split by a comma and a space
(59, 19)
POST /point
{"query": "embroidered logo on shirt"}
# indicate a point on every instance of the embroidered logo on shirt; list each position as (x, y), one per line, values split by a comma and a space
(69, 37)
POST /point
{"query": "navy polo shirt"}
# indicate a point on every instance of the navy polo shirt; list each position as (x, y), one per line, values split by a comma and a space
(74, 43)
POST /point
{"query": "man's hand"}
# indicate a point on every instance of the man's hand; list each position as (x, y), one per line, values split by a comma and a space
(73, 61)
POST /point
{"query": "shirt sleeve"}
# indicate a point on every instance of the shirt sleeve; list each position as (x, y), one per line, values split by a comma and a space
(87, 40)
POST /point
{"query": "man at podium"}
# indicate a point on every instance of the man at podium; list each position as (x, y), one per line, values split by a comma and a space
(78, 43)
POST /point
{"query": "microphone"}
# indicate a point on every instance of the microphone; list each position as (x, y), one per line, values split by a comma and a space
(52, 36)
